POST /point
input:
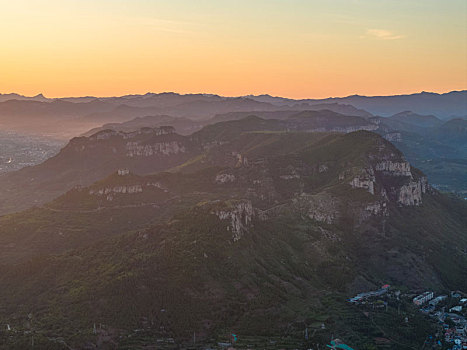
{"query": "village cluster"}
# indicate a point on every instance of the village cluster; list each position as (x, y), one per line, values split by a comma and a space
(448, 311)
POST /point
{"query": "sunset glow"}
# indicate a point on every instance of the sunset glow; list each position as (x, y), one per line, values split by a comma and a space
(293, 48)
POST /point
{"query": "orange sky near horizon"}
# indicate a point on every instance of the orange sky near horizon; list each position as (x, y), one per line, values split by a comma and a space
(294, 48)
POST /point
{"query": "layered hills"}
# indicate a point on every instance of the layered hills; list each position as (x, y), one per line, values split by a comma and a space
(68, 117)
(434, 145)
(420, 117)
(144, 151)
(447, 105)
(264, 230)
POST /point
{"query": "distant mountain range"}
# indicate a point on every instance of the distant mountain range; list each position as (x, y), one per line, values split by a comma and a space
(72, 116)
(447, 105)
(13, 96)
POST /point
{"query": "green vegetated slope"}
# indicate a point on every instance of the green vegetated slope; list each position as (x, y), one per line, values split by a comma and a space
(265, 233)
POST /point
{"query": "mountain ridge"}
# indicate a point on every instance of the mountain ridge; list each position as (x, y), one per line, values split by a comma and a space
(269, 225)
(86, 159)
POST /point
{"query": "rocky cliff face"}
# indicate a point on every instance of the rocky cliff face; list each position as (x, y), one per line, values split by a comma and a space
(365, 180)
(389, 177)
(143, 142)
(282, 185)
(239, 217)
(413, 186)
(135, 149)
(386, 181)
(394, 168)
(152, 188)
(107, 134)
(118, 189)
(411, 193)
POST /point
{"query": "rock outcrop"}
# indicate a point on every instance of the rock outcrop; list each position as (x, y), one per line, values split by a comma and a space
(135, 149)
(411, 193)
(322, 208)
(107, 134)
(389, 177)
(378, 208)
(398, 168)
(118, 189)
(365, 180)
(395, 136)
(224, 178)
(239, 216)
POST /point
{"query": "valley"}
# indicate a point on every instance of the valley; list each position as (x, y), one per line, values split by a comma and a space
(18, 151)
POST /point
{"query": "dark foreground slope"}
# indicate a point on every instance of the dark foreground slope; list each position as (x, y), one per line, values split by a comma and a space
(270, 233)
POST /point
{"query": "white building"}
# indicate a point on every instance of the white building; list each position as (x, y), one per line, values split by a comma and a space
(423, 298)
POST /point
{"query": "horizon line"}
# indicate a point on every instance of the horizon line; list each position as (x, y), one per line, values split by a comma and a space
(234, 96)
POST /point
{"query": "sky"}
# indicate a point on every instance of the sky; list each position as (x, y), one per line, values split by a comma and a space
(290, 48)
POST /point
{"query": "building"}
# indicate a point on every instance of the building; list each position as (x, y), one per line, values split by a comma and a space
(457, 308)
(376, 293)
(123, 172)
(438, 299)
(423, 298)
